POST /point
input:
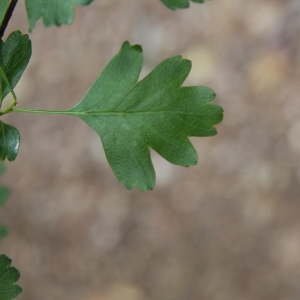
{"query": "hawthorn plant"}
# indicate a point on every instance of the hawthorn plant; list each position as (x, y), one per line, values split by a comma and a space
(129, 116)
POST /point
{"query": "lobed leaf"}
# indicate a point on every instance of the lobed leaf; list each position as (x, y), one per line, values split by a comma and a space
(9, 142)
(54, 12)
(15, 53)
(8, 276)
(174, 4)
(131, 117)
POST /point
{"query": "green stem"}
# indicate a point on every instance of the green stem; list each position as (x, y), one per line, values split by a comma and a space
(14, 100)
(3, 75)
(42, 111)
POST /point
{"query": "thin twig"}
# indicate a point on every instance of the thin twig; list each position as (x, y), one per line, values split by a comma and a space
(7, 17)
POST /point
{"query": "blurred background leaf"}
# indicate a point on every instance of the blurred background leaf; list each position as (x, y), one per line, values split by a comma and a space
(8, 276)
(55, 12)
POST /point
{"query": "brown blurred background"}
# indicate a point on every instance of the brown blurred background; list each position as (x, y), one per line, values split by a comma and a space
(228, 228)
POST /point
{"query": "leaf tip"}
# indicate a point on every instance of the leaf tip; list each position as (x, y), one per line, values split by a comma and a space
(142, 186)
(126, 46)
(192, 160)
(187, 62)
(211, 95)
(183, 61)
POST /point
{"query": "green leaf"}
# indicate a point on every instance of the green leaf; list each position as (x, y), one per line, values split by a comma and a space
(2, 168)
(8, 276)
(54, 12)
(3, 232)
(174, 4)
(15, 53)
(4, 193)
(156, 113)
(3, 8)
(9, 142)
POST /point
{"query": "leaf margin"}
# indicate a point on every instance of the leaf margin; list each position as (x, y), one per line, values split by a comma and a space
(130, 184)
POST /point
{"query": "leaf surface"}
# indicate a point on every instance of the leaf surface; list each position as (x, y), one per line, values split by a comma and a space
(54, 12)
(9, 142)
(4, 193)
(131, 117)
(15, 53)
(2, 169)
(3, 232)
(3, 8)
(8, 276)
(174, 4)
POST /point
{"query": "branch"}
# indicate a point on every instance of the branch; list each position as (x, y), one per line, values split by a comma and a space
(7, 17)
